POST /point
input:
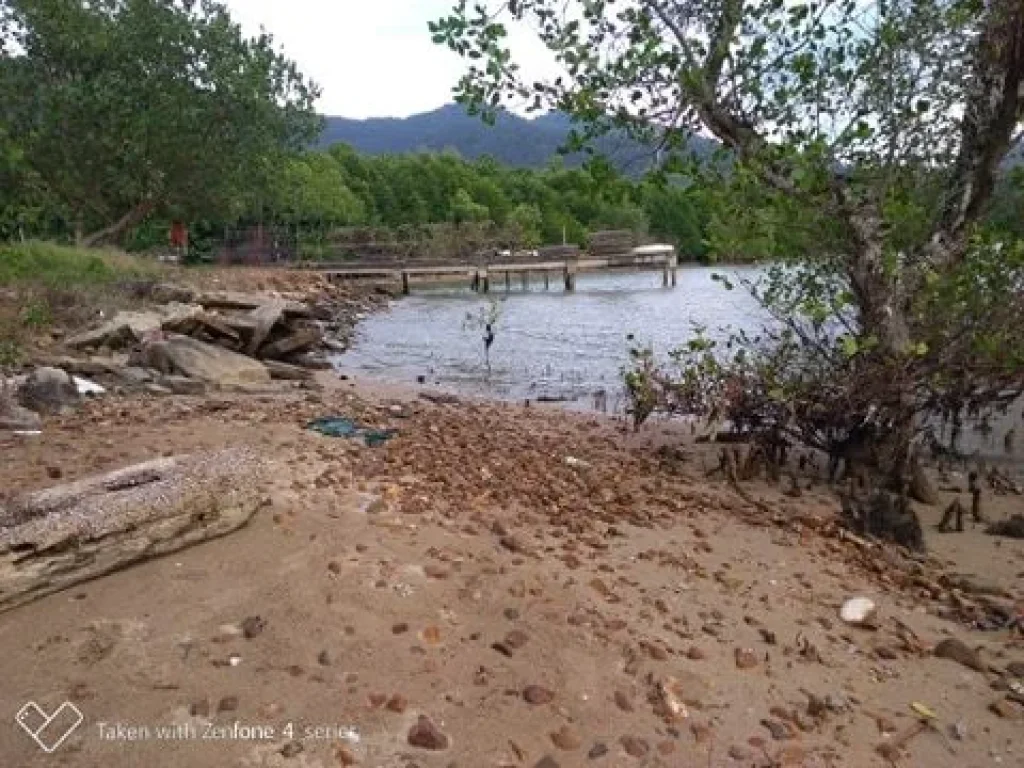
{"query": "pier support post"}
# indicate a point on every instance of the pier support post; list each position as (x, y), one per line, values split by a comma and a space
(673, 264)
(405, 283)
(475, 284)
(547, 279)
(570, 280)
(664, 276)
(508, 280)
(525, 279)
(487, 281)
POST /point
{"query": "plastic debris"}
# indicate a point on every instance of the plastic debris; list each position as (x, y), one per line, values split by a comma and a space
(339, 426)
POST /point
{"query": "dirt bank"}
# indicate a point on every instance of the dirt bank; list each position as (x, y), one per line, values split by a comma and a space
(615, 609)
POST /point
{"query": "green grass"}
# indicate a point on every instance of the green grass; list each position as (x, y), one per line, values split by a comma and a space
(45, 285)
(59, 266)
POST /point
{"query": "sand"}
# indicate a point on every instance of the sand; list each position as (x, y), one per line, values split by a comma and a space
(616, 610)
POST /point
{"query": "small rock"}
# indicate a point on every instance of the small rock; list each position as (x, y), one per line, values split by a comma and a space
(701, 733)
(739, 752)
(200, 708)
(635, 746)
(597, 751)
(666, 747)
(858, 612)
(252, 626)
(957, 651)
(566, 738)
(538, 694)
(516, 639)
(779, 731)
(425, 735)
(334, 567)
(345, 757)
(54, 473)
(768, 636)
(228, 704)
(399, 629)
(433, 571)
(291, 749)
(1016, 668)
(323, 659)
(745, 658)
(398, 703)
(547, 762)
(623, 701)
(501, 648)
(1006, 709)
(511, 614)
(695, 654)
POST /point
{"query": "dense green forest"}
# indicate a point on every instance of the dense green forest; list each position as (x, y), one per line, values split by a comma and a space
(119, 117)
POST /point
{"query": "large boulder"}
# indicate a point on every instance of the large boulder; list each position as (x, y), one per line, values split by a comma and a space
(214, 365)
(48, 390)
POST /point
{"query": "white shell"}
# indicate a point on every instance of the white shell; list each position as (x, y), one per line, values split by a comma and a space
(857, 610)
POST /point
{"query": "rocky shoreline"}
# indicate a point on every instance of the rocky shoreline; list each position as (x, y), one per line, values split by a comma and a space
(186, 341)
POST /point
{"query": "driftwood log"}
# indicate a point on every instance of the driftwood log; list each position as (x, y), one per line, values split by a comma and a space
(59, 537)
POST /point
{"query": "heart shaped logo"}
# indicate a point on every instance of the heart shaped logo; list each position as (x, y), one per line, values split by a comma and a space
(49, 731)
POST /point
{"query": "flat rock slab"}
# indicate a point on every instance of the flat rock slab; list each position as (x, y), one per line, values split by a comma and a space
(234, 300)
(56, 538)
(214, 365)
(127, 328)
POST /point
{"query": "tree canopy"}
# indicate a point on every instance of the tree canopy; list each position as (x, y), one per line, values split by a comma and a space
(120, 108)
(867, 137)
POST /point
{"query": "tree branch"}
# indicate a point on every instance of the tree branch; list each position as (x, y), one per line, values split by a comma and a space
(994, 107)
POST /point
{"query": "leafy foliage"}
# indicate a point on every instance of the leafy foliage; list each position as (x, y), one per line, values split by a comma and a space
(120, 108)
(866, 140)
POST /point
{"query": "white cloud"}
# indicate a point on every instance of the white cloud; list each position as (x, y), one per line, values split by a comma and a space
(372, 58)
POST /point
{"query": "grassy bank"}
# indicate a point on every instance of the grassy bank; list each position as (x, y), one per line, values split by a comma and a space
(46, 287)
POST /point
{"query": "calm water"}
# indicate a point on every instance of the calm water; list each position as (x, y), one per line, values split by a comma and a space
(547, 343)
(552, 344)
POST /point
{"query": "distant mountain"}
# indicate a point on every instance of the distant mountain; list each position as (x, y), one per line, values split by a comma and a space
(512, 140)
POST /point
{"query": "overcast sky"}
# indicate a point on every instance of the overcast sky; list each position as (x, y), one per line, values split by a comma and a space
(372, 58)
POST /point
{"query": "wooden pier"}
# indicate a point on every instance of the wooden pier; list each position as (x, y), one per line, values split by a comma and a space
(480, 278)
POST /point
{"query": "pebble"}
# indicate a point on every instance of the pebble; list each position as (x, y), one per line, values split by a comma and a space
(701, 732)
(344, 756)
(516, 639)
(324, 659)
(436, 572)
(695, 654)
(635, 746)
(566, 738)
(511, 614)
(958, 651)
(547, 762)
(779, 731)
(228, 704)
(425, 735)
(768, 636)
(1006, 709)
(739, 752)
(252, 626)
(597, 751)
(200, 708)
(291, 749)
(623, 701)
(400, 628)
(538, 694)
(745, 658)
(398, 703)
